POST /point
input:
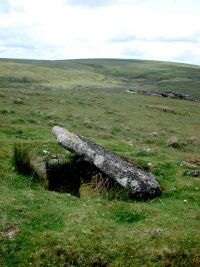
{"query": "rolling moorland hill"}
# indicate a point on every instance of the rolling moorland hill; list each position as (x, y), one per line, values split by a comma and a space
(39, 227)
(102, 73)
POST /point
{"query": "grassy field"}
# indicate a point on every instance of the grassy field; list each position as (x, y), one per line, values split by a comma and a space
(43, 228)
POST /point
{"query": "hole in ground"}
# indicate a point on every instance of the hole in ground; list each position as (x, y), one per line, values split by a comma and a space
(61, 175)
(67, 177)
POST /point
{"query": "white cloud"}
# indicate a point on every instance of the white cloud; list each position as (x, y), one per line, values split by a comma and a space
(90, 3)
(60, 29)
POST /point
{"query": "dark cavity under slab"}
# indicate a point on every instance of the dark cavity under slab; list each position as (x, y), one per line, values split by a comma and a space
(67, 176)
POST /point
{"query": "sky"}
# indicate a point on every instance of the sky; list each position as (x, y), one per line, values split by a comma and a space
(167, 30)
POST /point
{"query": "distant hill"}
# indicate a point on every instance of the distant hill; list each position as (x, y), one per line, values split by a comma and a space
(109, 74)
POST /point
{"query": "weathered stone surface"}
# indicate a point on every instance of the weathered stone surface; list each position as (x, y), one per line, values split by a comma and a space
(142, 185)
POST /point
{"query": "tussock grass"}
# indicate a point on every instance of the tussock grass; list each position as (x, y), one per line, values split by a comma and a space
(22, 156)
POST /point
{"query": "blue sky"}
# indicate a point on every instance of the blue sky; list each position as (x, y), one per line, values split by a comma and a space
(64, 29)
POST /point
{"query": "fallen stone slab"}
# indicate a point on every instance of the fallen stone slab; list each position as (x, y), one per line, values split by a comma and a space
(142, 185)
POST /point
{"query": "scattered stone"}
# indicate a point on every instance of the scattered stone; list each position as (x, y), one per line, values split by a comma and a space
(173, 142)
(130, 143)
(154, 134)
(45, 152)
(155, 94)
(61, 101)
(151, 166)
(189, 164)
(131, 91)
(156, 232)
(12, 232)
(167, 94)
(145, 150)
(193, 140)
(2, 95)
(18, 101)
(195, 173)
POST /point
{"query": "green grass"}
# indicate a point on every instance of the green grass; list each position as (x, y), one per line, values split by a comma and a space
(43, 228)
(104, 74)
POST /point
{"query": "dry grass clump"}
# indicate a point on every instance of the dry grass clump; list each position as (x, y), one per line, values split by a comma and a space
(100, 183)
(111, 189)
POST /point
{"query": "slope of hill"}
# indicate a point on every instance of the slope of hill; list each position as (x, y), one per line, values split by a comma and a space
(43, 228)
(103, 73)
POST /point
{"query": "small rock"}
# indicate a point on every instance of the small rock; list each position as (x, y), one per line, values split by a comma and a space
(131, 92)
(151, 166)
(189, 164)
(173, 142)
(18, 101)
(61, 101)
(45, 152)
(145, 150)
(2, 95)
(154, 134)
(130, 143)
(185, 201)
(195, 173)
(193, 140)
(155, 232)
(11, 233)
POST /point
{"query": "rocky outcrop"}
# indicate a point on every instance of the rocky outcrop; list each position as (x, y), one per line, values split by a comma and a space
(168, 94)
(142, 185)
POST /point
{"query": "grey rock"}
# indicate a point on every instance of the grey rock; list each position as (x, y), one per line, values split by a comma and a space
(145, 150)
(168, 94)
(142, 185)
(154, 134)
(195, 173)
(173, 142)
(189, 164)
